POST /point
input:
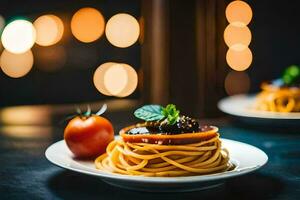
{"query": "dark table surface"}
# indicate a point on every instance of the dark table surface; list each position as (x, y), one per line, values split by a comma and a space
(26, 174)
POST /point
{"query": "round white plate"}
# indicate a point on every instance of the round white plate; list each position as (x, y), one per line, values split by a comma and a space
(247, 158)
(241, 106)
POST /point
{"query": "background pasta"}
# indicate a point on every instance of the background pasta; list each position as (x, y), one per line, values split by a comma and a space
(278, 99)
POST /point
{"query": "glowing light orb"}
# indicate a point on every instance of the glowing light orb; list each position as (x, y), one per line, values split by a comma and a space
(239, 60)
(237, 37)
(131, 83)
(16, 65)
(49, 30)
(115, 79)
(238, 12)
(18, 36)
(87, 25)
(122, 30)
(237, 83)
(98, 78)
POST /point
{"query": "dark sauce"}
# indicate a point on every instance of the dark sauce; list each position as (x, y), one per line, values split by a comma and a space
(183, 125)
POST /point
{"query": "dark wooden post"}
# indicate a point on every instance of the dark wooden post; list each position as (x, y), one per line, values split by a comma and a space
(183, 54)
(155, 51)
(211, 51)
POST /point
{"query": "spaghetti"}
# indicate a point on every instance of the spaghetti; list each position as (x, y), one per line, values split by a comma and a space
(145, 159)
(278, 99)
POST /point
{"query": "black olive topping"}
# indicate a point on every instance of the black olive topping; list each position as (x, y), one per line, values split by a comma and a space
(183, 124)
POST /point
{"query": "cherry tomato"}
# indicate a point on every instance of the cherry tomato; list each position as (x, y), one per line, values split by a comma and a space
(88, 137)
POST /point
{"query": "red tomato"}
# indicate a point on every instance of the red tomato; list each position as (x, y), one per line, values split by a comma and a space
(88, 137)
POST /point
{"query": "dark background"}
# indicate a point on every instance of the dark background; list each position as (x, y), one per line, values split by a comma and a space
(275, 38)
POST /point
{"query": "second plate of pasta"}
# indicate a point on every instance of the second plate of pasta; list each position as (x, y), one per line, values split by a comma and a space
(243, 107)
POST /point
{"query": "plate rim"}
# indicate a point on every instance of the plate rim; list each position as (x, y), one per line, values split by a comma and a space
(254, 114)
(157, 180)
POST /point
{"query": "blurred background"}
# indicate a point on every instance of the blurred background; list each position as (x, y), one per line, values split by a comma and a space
(64, 63)
(57, 54)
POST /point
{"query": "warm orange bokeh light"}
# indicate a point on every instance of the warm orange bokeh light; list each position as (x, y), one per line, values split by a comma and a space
(239, 60)
(18, 36)
(98, 78)
(237, 37)
(16, 65)
(49, 30)
(239, 12)
(115, 79)
(87, 25)
(237, 83)
(122, 30)
(131, 83)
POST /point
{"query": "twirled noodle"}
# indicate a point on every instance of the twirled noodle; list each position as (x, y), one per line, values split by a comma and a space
(276, 99)
(164, 160)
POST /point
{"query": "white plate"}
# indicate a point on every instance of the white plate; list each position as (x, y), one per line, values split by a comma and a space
(247, 158)
(241, 106)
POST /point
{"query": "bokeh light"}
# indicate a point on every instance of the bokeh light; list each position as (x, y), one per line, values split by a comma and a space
(49, 30)
(16, 65)
(51, 58)
(87, 25)
(237, 83)
(132, 81)
(115, 79)
(98, 78)
(239, 60)
(122, 30)
(239, 13)
(237, 37)
(18, 36)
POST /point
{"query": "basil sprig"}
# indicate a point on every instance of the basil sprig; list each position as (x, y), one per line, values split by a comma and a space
(291, 75)
(157, 112)
(171, 113)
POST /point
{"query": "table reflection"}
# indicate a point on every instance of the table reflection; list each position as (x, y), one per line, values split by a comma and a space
(27, 132)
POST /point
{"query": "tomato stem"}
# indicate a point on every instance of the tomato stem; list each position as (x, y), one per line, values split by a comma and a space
(102, 110)
(89, 113)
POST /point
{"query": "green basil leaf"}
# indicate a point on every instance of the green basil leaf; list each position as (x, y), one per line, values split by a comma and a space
(171, 113)
(150, 113)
